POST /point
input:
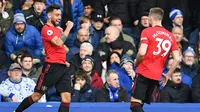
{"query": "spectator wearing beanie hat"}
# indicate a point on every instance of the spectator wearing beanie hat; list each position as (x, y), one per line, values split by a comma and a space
(87, 66)
(188, 68)
(177, 18)
(128, 64)
(23, 36)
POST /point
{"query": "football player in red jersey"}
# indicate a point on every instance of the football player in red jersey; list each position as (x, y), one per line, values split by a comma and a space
(54, 69)
(156, 43)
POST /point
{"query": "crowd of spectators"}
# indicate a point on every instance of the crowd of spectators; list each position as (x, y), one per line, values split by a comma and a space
(101, 48)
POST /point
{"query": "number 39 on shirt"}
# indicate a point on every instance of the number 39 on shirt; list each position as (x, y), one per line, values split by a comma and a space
(163, 45)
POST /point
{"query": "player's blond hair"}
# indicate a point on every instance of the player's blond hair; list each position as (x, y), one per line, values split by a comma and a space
(157, 13)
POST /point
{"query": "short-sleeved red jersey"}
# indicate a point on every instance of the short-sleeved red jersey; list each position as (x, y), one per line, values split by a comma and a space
(54, 54)
(160, 44)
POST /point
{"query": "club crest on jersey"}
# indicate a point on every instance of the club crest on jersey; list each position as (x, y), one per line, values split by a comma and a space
(49, 32)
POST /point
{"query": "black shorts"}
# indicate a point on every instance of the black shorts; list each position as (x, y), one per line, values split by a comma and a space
(54, 74)
(143, 88)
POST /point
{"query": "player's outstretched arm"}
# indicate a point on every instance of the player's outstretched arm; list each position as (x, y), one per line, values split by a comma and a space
(176, 61)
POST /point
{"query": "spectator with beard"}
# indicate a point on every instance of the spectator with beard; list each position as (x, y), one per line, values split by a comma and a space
(23, 36)
(175, 90)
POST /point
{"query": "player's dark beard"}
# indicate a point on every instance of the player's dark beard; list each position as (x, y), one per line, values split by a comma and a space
(54, 23)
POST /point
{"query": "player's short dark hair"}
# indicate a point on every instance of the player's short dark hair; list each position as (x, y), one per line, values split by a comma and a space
(157, 13)
(52, 7)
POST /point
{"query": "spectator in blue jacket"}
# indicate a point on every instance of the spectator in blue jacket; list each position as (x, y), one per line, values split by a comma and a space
(188, 68)
(83, 91)
(23, 36)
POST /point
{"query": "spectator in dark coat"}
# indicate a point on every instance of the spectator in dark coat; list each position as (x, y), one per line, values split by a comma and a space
(82, 35)
(124, 9)
(112, 90)
(85, 49)
(176, 91)
(83, 91)
(137, 30)
(196, 88)
(181, 41)
(113, 34)
(87, 66)
(6, 16)
(188, 67)
(35, 15)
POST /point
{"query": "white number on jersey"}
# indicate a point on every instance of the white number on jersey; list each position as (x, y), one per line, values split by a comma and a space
(162, 45)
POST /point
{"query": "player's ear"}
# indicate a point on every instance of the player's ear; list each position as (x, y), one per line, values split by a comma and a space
(49, 15)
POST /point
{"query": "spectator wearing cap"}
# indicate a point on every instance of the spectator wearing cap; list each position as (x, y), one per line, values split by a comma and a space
(87, 66)
(23, 36)
(88, 7)
(98, 26)
(83, 91)
(137, 30)
(112, 34)
(86, 23)
(188, 68)
(177, 18)
(116, 21)
(85, 49)
(112, 91)
(16, 88)
(35, 15)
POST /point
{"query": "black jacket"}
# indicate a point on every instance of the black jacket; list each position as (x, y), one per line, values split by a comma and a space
(38, 21)
(196, 88)
(75, 63)
(124, 9)
(103, 95)
(176, 93)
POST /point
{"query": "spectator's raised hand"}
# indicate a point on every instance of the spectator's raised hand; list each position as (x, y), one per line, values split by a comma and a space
(77, 86)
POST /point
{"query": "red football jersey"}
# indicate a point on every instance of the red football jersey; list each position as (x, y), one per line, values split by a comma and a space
(54, 54)
(160, 44)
